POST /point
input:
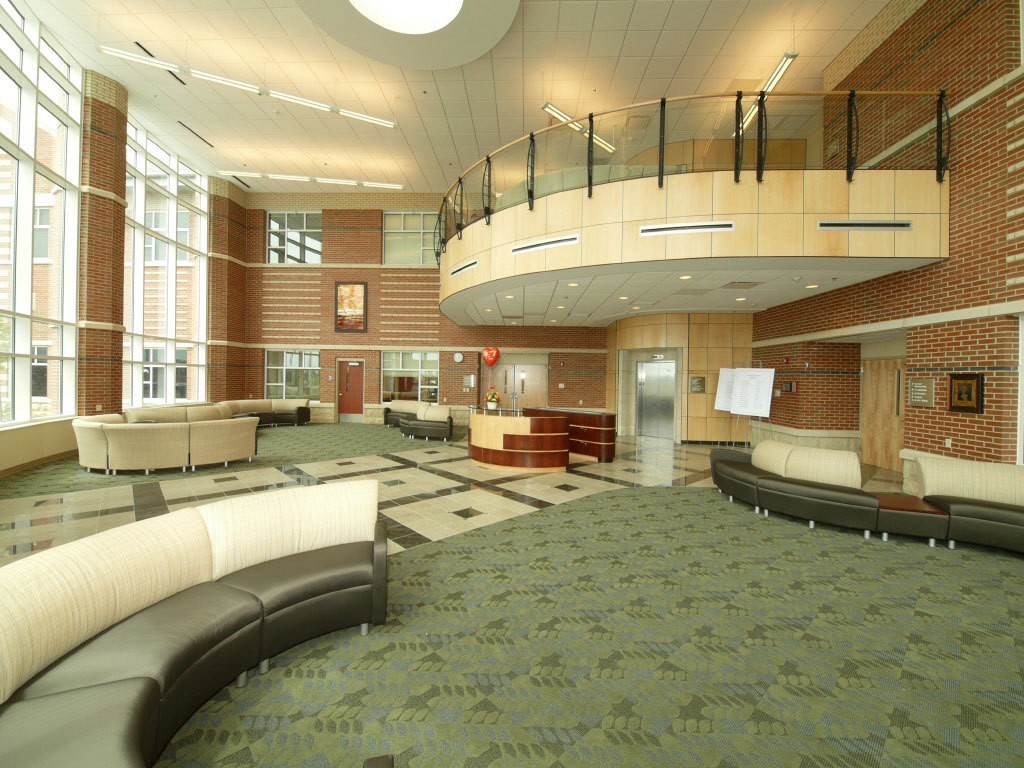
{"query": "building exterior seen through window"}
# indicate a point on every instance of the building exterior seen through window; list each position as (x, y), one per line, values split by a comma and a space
(40, 132)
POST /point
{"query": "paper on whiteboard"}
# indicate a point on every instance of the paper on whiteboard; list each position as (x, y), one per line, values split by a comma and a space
(723, 398)
(752, 391)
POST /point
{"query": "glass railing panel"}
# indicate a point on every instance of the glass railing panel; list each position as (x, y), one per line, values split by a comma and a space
(561, 160)
(472, 196)
(508, 175)
(626, 144)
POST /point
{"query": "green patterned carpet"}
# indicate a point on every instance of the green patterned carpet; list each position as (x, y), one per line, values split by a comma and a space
(276, 447)
(652, 627)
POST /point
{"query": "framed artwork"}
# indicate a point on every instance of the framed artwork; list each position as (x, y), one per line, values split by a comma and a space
(350, 307)
(966, 392)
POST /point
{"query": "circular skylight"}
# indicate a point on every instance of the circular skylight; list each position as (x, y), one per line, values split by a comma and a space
(409, 17)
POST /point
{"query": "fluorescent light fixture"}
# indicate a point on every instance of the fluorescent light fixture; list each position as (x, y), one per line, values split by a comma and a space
(225, 81)
(558, 114)
(683, 228)
(381, 185)
(366, 118)
(299, 100)
(248, 174)
(346, 182)
(285, 177)
(138, 58)
(409, 17)
(770, 83)
(540, 244)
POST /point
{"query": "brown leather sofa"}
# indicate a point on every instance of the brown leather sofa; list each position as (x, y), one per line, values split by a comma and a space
(108, 644)
(429, 421)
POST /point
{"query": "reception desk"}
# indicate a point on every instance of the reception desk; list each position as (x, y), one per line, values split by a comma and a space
(506, 439)
(591, 433)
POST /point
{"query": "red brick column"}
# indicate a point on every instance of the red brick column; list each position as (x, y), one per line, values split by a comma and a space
(101, 245)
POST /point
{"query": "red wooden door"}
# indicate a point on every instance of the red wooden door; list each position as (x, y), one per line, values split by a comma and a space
(350, 389)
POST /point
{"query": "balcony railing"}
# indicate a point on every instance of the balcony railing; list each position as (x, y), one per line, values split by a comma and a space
(744, 133)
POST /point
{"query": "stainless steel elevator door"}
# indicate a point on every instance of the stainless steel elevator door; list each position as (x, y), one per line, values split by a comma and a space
(655, 399)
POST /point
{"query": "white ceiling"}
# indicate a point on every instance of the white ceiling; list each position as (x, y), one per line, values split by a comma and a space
(582, 55)
(585, 56)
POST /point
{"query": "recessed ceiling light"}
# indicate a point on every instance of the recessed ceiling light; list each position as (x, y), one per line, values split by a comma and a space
(554, 321)
(741, 298)
(487, 310)
(623, 298)
(510, 297)
(637, 306)
(409, 17)
(685, 277)
(812, 285)
(574, 285)
(560, 306)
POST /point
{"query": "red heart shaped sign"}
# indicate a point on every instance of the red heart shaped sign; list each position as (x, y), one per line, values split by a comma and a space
(490, 355)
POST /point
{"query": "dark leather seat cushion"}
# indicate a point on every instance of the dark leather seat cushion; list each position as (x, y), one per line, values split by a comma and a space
(112, 725)
(821, 502)
(163, 642)
(380, 761)
(821, 492)
(982, 510)
(281, 583)
(422, 428)
(742, 472)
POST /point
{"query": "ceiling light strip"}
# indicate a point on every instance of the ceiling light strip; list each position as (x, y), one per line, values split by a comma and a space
(321, 180)
(558, 114)
(541, 244)
(244, 86)
(686, 228)
(854, 225)
(770, 83)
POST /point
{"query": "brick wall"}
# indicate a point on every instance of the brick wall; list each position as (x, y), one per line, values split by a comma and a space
(101, 244)
(827, 378)
(961, 46)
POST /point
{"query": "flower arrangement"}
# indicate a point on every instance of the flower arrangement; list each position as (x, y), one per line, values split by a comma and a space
(492, 396)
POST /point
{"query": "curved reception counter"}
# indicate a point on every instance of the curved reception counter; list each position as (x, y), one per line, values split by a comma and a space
(502, 438)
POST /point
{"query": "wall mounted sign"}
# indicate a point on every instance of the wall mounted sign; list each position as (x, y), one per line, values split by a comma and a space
(350, 307)
(698, 385)
(921, 393)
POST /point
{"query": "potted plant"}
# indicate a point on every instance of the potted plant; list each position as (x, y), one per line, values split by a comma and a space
(492, 398)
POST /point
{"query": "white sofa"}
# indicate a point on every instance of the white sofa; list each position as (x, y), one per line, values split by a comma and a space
(109, 643)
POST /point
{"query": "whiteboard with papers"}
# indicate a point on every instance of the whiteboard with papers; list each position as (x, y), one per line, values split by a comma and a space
(745, 391)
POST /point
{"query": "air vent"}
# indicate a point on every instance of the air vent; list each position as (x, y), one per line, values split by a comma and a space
(552, 243)
(854, 225)
(740, 286)
(463, 268)
(686, 228)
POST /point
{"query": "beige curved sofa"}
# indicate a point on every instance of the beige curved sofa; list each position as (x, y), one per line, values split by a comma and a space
(111, 441)
(109, 643)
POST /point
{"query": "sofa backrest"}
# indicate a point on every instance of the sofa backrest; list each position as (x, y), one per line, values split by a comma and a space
(289, 405)
(246, 530)
(53, 601)
(981, 480)
(146, 446)
(99, 418)
(824, 465)
(403, 406)
(174, 414)
(437, 413)
(207, 412)
(771, 455)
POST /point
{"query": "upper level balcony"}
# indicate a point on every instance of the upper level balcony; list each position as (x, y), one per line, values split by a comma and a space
(700, 204)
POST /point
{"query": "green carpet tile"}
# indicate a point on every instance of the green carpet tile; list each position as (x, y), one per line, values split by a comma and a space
(651, 627)
(276, 447)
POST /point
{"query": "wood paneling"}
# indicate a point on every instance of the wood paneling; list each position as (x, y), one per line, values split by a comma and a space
(881, 414)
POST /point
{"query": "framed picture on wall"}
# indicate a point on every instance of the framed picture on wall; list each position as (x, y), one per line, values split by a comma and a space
(966, 392)
(350, 307)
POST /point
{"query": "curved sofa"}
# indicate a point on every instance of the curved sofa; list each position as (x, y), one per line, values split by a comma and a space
(976, 502)
(394, 410)
(428, 421)
(984, 500)
(816, 484)
(109, 643)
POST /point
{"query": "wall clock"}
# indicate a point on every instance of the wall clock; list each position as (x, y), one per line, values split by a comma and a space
(457, 357)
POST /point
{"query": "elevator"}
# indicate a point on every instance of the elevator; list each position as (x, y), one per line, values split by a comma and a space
(655, 398)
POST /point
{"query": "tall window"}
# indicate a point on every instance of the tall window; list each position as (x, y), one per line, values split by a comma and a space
(294, 238)
(293, 374)
(409, 376)
(164, 276)
(40, 136)
(409, 237)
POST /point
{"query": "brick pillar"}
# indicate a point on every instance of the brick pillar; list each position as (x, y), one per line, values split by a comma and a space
(101, 245)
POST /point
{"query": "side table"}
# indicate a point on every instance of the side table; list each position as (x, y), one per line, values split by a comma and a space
(909, 515)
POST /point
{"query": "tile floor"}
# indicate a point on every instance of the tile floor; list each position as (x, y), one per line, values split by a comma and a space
(427, 493)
